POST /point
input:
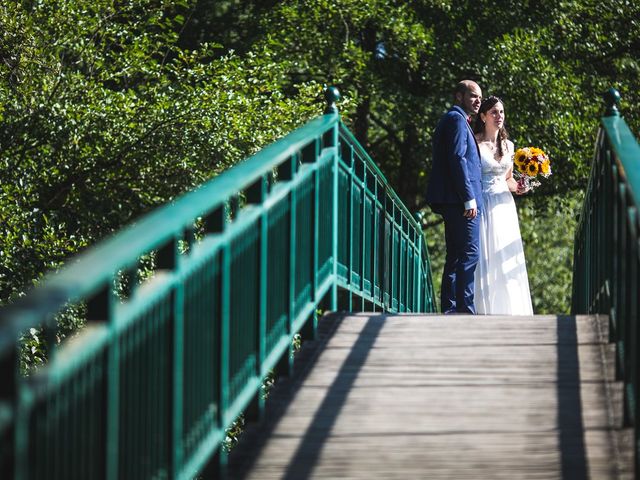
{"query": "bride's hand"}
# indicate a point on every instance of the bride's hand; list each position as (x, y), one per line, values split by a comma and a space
(522, 187)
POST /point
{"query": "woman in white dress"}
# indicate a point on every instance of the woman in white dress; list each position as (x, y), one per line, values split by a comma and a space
(501, 282)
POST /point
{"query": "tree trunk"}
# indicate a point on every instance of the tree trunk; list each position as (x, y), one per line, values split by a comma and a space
(408, 176)
(362, 121)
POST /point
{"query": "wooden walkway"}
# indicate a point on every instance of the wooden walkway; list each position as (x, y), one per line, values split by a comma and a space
(455, 397)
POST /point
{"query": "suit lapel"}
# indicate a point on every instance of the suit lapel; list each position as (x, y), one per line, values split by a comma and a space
(474, 139)
(460, 111)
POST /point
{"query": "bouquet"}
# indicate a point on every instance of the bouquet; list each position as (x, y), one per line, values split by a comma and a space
(530, 162)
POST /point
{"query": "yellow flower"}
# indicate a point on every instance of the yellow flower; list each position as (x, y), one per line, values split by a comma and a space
(545, 168)
(536, 151)
(522, 168)
(520, 157)
(532, 169)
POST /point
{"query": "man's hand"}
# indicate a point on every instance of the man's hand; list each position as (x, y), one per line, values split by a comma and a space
(471, 213)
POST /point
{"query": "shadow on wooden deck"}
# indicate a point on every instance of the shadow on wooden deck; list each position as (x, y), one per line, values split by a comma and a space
(413, 396)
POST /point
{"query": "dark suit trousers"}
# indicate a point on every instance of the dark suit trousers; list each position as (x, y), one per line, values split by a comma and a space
(462, 237)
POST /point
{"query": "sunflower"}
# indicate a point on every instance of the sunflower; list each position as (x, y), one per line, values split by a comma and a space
(532, 169)
(521, 157)
(536, 152)
(545, 167)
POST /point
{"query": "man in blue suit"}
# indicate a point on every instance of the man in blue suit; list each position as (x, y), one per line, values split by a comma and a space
(455, 192)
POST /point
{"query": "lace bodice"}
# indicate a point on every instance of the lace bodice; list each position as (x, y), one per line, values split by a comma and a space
(493, 172)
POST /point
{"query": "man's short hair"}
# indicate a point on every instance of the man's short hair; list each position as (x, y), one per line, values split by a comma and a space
(461, 87)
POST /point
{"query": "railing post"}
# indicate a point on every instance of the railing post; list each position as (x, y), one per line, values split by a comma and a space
(332, 95)
(363, 232)
(375, 263)
(418, 287)
(612, 99)
(349, 237)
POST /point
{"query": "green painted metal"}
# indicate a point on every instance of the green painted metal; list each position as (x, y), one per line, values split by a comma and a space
(607, 250)
(242, 264)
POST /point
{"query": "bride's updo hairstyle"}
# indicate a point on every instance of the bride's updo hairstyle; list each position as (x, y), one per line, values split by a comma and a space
(478, 126)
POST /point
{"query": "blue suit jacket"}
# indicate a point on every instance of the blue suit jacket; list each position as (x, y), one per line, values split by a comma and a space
(456, 175)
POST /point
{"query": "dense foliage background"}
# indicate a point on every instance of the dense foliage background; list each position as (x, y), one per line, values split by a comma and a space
(108, 109)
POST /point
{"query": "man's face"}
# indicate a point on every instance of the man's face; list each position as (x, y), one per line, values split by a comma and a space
(471, 99)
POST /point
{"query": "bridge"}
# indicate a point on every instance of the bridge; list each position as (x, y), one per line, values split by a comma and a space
(262, 272)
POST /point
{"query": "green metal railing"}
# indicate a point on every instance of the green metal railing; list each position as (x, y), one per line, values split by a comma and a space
(606, 257)
(149, 386)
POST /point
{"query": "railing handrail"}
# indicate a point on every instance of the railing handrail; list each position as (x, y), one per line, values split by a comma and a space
(89, 270)
(73, 281)
(626, 149)
(360, 239)
(606, 263)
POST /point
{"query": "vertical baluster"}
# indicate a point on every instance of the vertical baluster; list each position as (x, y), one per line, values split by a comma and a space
(285, 365)
(602, 235)
(113, 396)
(312, 323)
(614, 268)
(631, 313)
(256, 194)
(167, 258)
(621, 255)
(215, 223)
(607, 237)
(98, 311)
(13, 459)
(349, 223)
(633, 289)
(332, 95)
(375, 245)
(310, 156)
(363, 233)
(394, 259)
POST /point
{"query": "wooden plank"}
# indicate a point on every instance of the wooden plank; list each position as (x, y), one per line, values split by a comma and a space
(411, 396)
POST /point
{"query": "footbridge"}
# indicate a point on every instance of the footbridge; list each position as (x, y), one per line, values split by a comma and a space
(292, 295)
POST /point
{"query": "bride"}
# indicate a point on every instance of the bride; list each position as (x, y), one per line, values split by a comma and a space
(501, 282)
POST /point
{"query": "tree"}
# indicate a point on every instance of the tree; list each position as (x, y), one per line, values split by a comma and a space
(106, 113)
(396, 63)
(105, 116)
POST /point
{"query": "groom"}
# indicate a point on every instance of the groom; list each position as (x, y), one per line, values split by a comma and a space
(455, 192)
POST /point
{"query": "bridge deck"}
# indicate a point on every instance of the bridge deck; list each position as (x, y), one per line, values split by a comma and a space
(411, 396)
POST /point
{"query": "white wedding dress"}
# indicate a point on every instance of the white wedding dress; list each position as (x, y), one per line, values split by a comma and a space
(501, 282)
